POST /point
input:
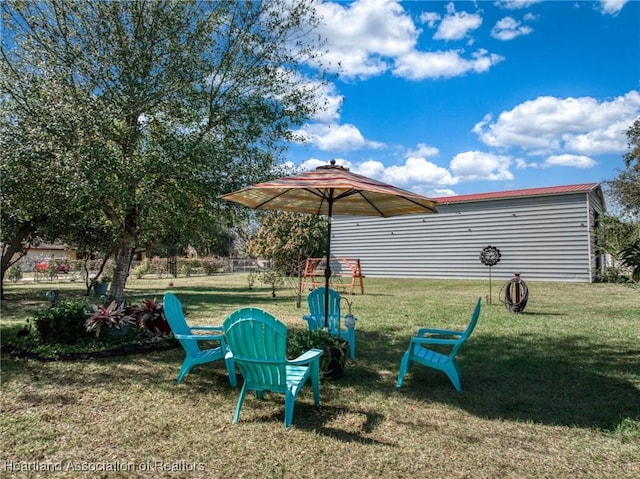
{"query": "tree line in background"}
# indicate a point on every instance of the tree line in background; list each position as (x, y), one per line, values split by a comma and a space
(122, 122)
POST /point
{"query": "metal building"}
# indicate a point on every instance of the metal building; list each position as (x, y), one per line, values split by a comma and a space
(544, 234)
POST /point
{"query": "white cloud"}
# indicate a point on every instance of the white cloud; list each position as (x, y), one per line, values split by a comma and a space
(365, 35)
(419, 174)
(371, 168)
(606, 139)
(368, 38)
(437, 192)
(515, 4)
(334, 137)
(457, 25)
(430, 18)
(424, 151)
(477, 165)
(444, 64)
(507, 29)
(576, 161)
(563, 125)
(418, 171)
(612, 7)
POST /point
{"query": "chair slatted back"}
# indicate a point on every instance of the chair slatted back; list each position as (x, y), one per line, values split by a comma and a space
(174, 313)
(258, 342)
(316, 307)
(467, 332)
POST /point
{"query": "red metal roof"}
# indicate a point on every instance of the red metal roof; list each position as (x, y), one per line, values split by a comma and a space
(499, 195)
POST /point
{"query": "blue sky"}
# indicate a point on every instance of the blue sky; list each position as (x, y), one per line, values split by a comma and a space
(448, 98)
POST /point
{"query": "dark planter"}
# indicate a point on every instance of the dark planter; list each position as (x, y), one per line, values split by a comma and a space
(337, 359)
(44, 329)
(100, 289)
(114, 333)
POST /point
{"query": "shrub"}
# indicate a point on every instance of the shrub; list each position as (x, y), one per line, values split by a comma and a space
(335, 350)
(140, 270)
(15, 273)
(631, 258)
(212, 265)
(611, 275)
(270, 277)
(63, 323)
(159, 266)
(187, 266)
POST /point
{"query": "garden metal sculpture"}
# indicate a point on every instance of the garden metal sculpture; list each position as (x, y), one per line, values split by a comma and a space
(490, 256)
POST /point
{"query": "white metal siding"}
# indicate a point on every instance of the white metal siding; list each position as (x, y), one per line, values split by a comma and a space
(543, 238)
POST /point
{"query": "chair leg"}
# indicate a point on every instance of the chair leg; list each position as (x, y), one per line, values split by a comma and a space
(404, 367)
(243, 391)
(231, 371)
(289, 403)
(352, 345)
(186, 368)
(315, 382)
(452, 371)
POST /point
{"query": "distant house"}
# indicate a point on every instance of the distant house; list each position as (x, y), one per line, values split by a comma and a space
(45, 252)
(544, 234)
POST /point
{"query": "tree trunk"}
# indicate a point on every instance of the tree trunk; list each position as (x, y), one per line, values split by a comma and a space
(123, 258)
(9, 249)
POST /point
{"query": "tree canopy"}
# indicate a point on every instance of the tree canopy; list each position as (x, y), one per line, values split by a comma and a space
(141, 114)
(288, 239)
(625, 188)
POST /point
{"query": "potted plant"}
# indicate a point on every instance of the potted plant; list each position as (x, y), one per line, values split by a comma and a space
(150, 317)
(101, 285)
(334, 359)
(62, 323)
(110, 320)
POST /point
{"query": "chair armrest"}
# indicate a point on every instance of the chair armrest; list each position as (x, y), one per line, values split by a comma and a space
(309, 356)
(441, 332)
(201, 337)
(207, 328)
(434, 341)
(313, 322)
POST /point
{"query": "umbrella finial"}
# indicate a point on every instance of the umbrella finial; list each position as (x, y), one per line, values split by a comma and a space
(332, 165)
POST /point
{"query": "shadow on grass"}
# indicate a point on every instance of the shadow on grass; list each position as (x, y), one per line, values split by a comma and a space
(195, 298)
(155, 370)
(567, 381)
(572, 381)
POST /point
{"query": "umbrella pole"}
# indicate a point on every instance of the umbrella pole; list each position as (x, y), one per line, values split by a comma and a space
(327, 269)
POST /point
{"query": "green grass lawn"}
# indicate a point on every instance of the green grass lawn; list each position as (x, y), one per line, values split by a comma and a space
(553, 392)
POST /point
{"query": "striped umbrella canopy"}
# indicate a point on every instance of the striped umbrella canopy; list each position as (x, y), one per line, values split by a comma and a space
(332, 190)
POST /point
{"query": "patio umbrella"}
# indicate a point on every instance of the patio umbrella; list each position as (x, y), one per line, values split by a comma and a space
(332, 190)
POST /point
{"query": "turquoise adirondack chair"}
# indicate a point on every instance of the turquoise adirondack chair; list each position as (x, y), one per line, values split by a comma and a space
(316, 317)
(259, 345)
(194, 355)
(419, 353)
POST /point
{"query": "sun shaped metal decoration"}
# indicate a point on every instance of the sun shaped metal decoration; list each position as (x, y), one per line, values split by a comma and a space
(490, 256)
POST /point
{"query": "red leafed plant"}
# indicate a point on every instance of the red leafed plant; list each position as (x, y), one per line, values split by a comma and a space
(115, 315)
(150, 316)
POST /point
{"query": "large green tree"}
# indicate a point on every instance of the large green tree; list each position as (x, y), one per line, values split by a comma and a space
(35, 182)
(288, 239)
(625, 188)
(151, 109)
